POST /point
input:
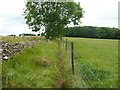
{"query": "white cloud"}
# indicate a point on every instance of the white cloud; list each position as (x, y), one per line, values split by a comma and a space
(97, 13)
(100, 12)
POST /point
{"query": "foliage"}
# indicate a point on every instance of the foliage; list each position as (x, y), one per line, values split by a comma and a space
(42, 34)
(93, 32)
(54, 16)
(11, 35)
(27, 34)
(38, 35)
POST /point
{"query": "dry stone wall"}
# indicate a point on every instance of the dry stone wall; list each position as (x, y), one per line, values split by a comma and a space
(8, 50)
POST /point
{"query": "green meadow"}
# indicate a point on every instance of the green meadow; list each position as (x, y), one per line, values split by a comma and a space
(101, 56)
(48, 64)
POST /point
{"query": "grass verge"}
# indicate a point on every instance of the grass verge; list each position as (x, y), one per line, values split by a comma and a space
(47, 65)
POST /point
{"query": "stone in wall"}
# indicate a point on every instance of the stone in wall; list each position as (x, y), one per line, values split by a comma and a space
(8, 50)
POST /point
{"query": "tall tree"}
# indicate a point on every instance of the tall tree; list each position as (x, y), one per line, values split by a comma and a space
(54, 16)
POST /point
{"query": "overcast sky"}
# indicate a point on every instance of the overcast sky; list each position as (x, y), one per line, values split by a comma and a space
(103, 13)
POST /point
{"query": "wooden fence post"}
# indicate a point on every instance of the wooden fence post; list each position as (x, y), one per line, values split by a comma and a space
(63, 42)
(66, 44)
(72, 57)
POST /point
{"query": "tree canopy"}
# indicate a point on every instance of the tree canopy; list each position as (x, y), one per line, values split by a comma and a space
(93, 32)
(54, 16)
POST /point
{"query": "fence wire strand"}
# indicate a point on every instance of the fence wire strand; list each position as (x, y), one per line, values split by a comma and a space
(86, 78)
(83, 82)
(94, 75)
(86, 81)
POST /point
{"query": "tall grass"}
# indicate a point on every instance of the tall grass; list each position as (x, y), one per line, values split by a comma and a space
(30, 68)
(47, 65)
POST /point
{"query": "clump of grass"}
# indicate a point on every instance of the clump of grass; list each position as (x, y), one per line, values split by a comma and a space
(44, 62)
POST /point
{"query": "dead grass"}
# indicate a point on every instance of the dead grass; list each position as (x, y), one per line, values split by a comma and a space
(44, 62)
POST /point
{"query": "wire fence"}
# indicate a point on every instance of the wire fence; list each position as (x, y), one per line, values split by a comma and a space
(89, 78)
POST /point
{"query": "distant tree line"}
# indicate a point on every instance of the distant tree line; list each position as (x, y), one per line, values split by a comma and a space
(11, 35)
(42, 34)
(93, 32)
(27, 34)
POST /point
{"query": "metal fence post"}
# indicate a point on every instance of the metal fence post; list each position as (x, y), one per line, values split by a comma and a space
(72, 57)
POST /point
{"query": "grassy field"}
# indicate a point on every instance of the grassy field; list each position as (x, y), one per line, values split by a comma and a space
(45, 66)
(101, 56)
(13, 40)
(48, 65)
